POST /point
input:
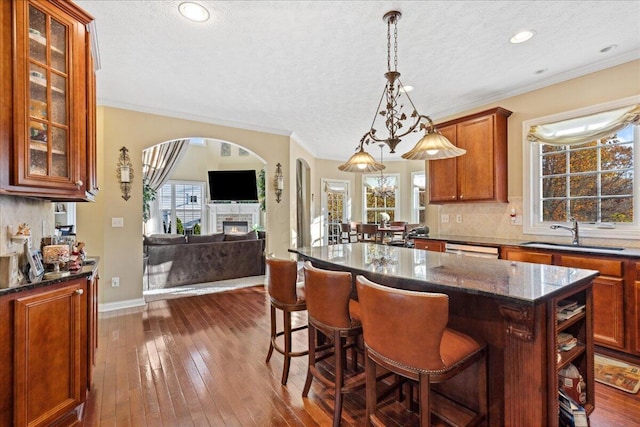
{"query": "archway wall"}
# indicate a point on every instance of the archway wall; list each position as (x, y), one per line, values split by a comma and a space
(120, 248)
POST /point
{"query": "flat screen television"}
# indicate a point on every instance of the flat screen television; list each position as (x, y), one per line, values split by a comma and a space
(233, 186)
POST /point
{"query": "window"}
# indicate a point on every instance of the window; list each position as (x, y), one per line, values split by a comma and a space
(182, 206)
(576, 171)
(380, 195)
(418, 198)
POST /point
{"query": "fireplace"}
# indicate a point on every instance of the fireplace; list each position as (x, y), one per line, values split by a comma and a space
(230, 227)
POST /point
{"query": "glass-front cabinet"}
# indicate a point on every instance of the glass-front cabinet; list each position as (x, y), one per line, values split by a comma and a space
(53, 83)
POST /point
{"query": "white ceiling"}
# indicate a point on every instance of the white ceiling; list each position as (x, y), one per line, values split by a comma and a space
(314, 69)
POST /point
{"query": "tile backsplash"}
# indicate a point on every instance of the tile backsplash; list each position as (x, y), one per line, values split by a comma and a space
(15, 210)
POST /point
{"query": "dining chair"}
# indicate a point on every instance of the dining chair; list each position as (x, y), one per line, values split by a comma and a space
(367, 233)
(347, 233)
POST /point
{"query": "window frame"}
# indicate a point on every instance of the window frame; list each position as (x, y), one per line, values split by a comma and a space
(531, 170)
(365, 208)
(173, 213)
(415, 198)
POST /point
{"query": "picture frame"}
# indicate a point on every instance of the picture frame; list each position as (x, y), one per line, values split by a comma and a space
(35, 262)
(60, 207)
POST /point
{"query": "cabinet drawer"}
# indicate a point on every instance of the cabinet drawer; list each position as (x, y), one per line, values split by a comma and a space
(527, 256)
(429, 245)
(607, 267)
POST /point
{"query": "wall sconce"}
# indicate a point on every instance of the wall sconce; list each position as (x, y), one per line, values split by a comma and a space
(278, 182)
(124, 172)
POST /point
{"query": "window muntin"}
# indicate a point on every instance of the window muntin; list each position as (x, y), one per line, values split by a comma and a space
(592, 182)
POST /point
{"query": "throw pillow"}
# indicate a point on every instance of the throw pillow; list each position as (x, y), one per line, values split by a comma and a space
(235, 237)
(165, 239)
(205, 238)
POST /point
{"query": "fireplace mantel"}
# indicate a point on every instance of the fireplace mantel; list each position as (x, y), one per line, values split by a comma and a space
(218, 212)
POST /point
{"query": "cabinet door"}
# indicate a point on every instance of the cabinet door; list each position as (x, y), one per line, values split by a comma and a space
(50, 98)
(50, 335)
(92, 332)
(476, 167)
(635, 313)
(443, 177)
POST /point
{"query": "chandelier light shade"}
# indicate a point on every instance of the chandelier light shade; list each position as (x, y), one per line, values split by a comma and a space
(433, 146)
(399, 117)
(361, 162)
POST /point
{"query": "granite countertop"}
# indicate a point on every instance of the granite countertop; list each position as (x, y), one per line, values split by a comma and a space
(496, 241)
(436, 271)
(40, 281)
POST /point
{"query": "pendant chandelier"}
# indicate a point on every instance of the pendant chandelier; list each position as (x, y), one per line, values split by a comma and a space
(391, 111)
(383, 188)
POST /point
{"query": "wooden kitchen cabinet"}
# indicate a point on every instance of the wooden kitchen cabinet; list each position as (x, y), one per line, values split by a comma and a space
(608, 292)
(480, 175)
(47, 139)
(525, 255)
(635, 311)
(429, 245)
(50, 334)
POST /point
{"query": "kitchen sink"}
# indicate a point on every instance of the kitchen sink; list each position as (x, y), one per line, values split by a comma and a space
(570, 247)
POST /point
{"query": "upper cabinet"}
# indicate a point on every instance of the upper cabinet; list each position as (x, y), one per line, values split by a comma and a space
(50, 150)
(480, 175)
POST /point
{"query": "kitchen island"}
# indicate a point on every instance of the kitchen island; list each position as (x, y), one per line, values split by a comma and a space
(509, 305)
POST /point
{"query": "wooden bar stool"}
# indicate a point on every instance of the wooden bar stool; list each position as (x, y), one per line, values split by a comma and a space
(406, 332)
(333, 313)
(281, 276)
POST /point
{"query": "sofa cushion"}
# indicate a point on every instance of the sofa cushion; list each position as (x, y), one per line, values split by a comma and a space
(205, 238)
(244, 236)
(165, 239)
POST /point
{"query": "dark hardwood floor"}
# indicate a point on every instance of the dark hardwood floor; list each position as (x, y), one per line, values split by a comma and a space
(200, 361)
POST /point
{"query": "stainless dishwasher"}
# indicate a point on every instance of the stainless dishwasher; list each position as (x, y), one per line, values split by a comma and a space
(471, 250)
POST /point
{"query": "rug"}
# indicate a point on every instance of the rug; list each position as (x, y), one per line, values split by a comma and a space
(202, 288)
(621, 375)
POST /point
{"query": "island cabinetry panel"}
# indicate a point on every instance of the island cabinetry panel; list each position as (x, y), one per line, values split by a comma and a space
(635, 312)
(608, 292)
(429, 245)
(47, 140)
(480, 174)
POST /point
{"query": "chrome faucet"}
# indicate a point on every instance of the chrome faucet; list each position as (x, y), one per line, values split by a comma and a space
(573, 229)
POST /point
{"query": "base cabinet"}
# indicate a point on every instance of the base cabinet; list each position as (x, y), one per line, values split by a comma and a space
(50, 333)
(616, 296)
(48, 337)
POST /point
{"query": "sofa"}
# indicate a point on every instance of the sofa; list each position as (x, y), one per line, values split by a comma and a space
(176, 260)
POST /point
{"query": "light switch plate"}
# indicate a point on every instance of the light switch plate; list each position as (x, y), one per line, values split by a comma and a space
(117, 222)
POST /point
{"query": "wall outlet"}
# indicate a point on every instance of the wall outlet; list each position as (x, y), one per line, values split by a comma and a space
(115, 282)
(459, 218)
(444, 218)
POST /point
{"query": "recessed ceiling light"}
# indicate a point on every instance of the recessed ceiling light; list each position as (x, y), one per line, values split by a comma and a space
(608, 48)
(193, 11)
(406, 88)
(522, 36)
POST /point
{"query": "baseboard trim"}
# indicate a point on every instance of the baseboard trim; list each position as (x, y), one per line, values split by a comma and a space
(119, 305)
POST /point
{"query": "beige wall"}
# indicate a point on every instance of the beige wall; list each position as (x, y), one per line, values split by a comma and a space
(121, 248)
(492, 219)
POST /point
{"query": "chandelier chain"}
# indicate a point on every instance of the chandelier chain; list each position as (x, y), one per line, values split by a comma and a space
(389, 45)
(395, 44)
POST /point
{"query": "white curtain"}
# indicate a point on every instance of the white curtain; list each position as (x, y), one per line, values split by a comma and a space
(158, 162)
(585, 129)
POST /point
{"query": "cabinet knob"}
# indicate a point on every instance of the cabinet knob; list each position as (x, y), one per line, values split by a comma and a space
(79, 291)
(461, 196)
(79, 183)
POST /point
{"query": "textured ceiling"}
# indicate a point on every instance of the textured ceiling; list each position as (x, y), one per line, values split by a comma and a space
(315, 69)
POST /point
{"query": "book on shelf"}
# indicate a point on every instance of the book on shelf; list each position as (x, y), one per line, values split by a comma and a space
(566, 341)
(568, 313)
(571, 413)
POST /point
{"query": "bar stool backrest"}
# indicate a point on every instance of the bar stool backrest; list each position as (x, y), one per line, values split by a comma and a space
(282, 275)
(327, 294)
(403, 326)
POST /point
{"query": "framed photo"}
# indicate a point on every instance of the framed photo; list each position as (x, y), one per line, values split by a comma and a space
(35, 262)
(60, 207)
